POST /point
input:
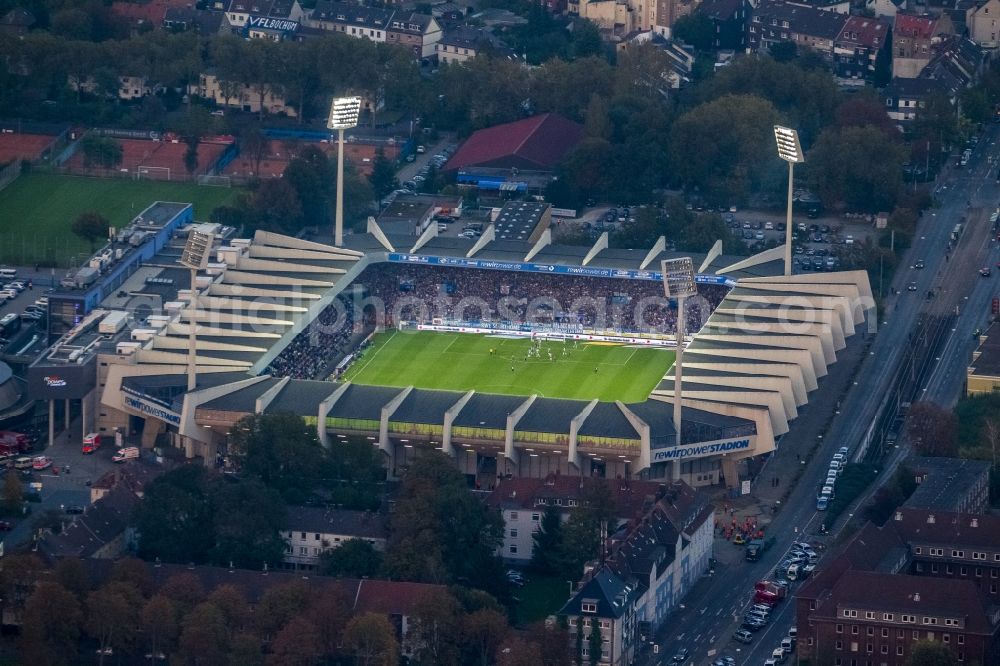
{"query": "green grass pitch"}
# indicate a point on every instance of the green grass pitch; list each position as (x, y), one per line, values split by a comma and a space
(462, 361)
(36, 211)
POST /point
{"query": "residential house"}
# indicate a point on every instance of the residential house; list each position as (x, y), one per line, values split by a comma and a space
(858, 46)
(983, 374)
(240, 96)
(728, 19)
(956, 65)
(680, 60)
(881, 616)
(905, 97)
(314, 531)
(650, 566)
(776, 21)
(950, 484)
(947, 544)
(17, 22)
(461, 44)
(885, 8)
(130, 88)
(622, 17)
(249, 16)
(181, 19)
(914, 39)
(523, 501)
(354, 20)
(101, 531)
(449, 14)
(419, 32)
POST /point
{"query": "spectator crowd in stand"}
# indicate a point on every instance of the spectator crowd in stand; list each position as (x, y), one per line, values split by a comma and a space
(392, 293)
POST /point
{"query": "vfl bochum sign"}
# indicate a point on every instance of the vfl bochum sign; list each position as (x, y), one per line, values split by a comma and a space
(699, 450)
(266, 23)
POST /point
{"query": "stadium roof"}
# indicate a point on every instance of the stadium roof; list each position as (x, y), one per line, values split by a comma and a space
(536, 144)
(750, 375)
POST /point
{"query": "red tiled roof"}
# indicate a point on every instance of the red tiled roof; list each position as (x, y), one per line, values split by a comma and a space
(151, 12)
(523, 493)
(869, 32)
(538, 143)
(908, 25)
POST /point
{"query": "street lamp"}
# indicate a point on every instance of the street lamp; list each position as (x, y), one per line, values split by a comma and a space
(195, 256)
(344, 112)
(678, 282)
(789, 150)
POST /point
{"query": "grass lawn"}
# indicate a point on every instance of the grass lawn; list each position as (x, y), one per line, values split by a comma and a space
(540, 597)
(36, 211)
(461, 361)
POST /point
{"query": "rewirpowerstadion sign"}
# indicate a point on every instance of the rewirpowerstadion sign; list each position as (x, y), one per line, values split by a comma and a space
(555, 269)
(702, 450)
(148, 406)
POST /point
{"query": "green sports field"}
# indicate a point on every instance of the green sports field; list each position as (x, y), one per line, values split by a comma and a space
(462, 361)
(36, 211)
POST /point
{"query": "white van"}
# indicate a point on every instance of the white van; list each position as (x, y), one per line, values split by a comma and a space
(8, 273)
(793, 572)
(128, 453)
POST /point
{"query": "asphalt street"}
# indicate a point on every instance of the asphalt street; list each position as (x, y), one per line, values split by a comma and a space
(712, 612)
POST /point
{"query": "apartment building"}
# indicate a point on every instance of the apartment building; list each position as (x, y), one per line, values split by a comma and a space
(314, 531)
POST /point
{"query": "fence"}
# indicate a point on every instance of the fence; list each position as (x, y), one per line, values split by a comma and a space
(9, 174)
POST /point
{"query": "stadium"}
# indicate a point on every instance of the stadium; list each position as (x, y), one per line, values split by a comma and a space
(514, 358)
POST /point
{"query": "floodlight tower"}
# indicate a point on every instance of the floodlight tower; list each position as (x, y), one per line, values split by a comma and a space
(195, 256)
(789, 150)
(344, 113)
(678, 282)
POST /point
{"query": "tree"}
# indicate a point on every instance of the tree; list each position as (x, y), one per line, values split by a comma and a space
(71, 574)
(312, 176)
(275, 206)
(244, 650)
(547, 541)
(722, 147)
(931, 653)
(185, 591)
(133, 571)
(440, 532)
(695, 29)
(203, 638)
(280, 451)
(597, 121)
(354, 558)
(297, 644)
(51, 625)
(552, 642)
(111, 613)
(436, 629)
(594, 642)
(90, 227)
(233, 605)
(278, 606)
(175, 521)
(248, 519)
(831, 168)
(372, 640)
(516, 651)
(13, 493)
(383, 177)
(159, 623)
(255, 146)
(100, 151)
(587, 522)
(784, 51)
(932, 429)
(329, 612)
(484, 630)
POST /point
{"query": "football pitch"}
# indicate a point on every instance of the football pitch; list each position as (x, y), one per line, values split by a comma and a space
(36, 211)
(493, 364)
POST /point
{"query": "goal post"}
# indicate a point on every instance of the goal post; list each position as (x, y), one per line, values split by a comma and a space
(215, 181)
(152, 173)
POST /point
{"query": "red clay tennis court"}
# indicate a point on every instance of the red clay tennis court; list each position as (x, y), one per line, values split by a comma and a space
(152, 159)
(17, 146)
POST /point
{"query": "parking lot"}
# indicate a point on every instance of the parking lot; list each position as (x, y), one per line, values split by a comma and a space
(21, 306)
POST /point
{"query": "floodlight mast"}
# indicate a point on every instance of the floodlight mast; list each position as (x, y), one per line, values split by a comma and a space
(344, 114)
(789, 150)
(195, 257)
(678, 282)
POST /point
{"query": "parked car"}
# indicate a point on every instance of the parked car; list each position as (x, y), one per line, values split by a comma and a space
(743, 636)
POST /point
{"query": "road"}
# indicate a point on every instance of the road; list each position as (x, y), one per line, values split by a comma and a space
(706, 624)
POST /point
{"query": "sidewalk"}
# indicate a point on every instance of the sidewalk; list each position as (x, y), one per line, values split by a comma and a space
(782, 470)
